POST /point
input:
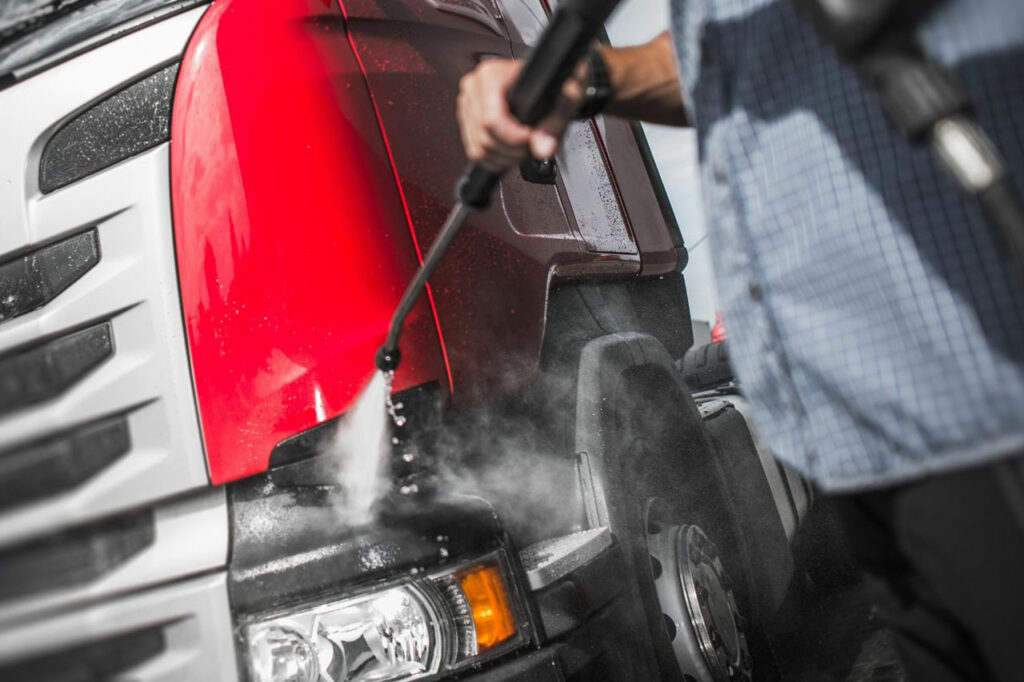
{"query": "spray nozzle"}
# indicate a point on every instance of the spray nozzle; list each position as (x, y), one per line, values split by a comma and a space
(387, 359)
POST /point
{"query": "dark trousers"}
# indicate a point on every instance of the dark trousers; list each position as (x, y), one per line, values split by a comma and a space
(946, 558)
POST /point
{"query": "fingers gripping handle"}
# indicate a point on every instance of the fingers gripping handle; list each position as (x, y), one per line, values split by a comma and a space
(533, 94)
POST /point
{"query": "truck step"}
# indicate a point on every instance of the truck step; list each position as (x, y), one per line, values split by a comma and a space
(551, 560)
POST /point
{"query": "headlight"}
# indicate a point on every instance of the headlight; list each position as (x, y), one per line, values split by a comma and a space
(399, 632)
(282, 652)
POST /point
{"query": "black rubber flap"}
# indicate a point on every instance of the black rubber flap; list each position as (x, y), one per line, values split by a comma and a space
(56, 465)
(124, 124)
(757, 518)
(33, 280)
(46, 371)
(73, 557)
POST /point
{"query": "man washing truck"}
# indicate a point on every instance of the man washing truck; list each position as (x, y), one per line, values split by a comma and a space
(875, 329)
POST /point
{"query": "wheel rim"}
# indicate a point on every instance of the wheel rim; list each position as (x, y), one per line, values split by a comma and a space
(696, 598)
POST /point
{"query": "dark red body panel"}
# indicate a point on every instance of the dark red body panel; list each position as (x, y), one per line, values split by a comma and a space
(314, 150)
(491, 289)
(651, 236)
(658, 251)
(293, 247)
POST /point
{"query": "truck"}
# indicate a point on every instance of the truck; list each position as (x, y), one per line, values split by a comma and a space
(209, 212)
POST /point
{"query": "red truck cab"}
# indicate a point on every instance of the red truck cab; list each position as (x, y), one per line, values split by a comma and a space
(212, 211)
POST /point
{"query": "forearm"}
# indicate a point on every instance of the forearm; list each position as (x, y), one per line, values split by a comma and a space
(645, 83)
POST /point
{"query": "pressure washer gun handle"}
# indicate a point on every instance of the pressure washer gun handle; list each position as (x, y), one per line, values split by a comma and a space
(566, 39)
(573, 27)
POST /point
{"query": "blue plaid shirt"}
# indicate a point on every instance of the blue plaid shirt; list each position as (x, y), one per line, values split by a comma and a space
(873, 326)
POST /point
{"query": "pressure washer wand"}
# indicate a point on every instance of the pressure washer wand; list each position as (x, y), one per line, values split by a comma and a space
(566, 39)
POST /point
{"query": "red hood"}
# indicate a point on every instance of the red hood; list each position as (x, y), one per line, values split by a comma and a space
(293, 243)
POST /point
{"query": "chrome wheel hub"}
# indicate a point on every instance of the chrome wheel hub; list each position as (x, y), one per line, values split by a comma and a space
(695, 594)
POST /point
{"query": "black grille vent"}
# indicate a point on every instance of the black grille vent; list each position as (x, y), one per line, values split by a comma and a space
(127, 123)
(35, 375)
(33, 280)
(74, 557)
(93, 662)
(59, 464)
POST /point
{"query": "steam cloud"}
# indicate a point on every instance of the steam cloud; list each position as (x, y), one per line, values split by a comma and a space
(505, 453)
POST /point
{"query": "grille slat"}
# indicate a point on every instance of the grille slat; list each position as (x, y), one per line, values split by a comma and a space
(60, 464)
(30, 377)
(33, 280)
(74, 557)
(124, 124)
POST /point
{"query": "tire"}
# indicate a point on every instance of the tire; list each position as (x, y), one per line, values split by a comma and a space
(644, 442)
(707, 366)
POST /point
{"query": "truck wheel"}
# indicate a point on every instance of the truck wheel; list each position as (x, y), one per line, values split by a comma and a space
(697, 603)
(650, 473)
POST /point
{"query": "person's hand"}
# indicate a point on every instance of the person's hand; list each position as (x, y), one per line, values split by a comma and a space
(491, 135)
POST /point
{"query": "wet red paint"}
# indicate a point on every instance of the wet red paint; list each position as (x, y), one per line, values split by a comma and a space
(312, 156)
(292, 244)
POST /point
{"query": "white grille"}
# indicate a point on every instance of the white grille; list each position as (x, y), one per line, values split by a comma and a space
(134, 286)
(193, 617)
(174, 585)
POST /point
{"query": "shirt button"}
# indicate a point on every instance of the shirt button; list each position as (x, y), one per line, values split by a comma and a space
(756, 293)
(718, 171)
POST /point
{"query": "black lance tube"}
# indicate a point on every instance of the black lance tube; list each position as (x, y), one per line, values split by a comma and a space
(573, 27)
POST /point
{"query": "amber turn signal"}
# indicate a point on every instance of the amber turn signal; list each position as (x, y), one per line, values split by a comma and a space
(489, 602)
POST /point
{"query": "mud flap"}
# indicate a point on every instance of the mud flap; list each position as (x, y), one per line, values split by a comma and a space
(764, 533)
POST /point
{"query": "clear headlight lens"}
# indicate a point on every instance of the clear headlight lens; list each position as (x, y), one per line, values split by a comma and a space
(401, 632)
(386, 635)
(281, 652)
